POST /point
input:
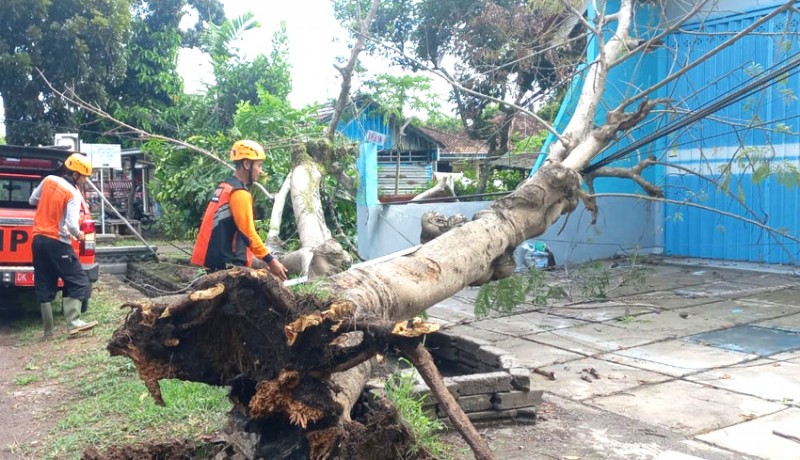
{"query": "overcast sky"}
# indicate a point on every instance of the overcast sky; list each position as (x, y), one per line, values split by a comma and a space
(315, 40)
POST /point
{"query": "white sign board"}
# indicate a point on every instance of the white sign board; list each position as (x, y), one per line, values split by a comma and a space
(103, 155)
(375, 138)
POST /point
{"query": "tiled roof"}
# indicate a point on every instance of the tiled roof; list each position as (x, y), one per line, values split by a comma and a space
(516, 161)
(459, 142)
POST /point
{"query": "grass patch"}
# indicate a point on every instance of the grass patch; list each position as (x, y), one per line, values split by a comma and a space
(400, 390)
(108, 403)
(25, 379)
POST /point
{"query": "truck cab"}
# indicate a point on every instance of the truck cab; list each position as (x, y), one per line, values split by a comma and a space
(21, 171)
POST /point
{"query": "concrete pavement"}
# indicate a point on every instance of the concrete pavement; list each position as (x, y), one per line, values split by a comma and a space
(706, 358)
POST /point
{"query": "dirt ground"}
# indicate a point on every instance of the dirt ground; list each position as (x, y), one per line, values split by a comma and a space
(27, 412)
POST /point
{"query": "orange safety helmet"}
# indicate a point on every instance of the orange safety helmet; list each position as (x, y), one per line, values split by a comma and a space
(247, 150)
(79, 164)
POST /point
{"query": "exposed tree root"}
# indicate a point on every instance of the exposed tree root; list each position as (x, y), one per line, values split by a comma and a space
(277, 352)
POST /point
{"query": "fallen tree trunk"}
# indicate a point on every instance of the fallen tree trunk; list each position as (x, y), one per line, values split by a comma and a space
(278, 352)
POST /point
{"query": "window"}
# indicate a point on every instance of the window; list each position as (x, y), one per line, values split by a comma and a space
(14, 192)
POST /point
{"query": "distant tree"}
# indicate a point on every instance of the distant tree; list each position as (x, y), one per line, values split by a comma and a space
(238, 80)
(152, 85)
(74, 42)
(513, 51)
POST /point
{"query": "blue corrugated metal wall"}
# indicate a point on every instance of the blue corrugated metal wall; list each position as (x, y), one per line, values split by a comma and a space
(623, 81)
(765, 123)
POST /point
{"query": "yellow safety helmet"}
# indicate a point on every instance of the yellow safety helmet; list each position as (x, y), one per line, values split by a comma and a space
(247, 150)
(79, 163)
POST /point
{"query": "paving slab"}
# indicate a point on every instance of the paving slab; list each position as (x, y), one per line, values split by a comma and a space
(670, 324)
(734, 312)
(666, 299)
(574, 379)
(725, 289)
(686, 408)
(462, 330)
(677, 357)
(765, 378)
(790, 356)
(533, 355)
(526, 323)
(569, 429)
(788, 296)
(693, 276)
(789, 322)
(592, 339)
(748, 338)
(766, 279)
(757, 437)
(599, 311)
(453, 310)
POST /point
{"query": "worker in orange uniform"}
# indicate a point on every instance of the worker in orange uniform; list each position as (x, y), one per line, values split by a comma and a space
(58, 202)
(228, 234)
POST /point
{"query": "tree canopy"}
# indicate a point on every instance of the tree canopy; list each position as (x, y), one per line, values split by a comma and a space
(74, 42)
(514, 51)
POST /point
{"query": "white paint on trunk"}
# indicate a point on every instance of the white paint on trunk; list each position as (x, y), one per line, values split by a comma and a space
(583, 147)
(307, 205)
(277, 209)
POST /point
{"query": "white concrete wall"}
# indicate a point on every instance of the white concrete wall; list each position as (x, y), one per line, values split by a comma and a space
(624, 225)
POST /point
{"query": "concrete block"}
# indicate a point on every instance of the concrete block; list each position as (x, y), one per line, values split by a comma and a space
(469, 359)
(507, 362)
(470, 344)
(520, 378)
(114, 268)
(438, 340)
(422, 393)
(490, 382)
(492, 415)
(475, 403)
(421, 390)
(495, 357)
(516, 399)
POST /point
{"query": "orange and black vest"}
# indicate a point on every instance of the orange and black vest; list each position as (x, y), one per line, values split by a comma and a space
(219, 241)
(49, 218)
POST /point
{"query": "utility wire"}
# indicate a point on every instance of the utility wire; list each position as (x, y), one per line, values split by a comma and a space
(765, 80)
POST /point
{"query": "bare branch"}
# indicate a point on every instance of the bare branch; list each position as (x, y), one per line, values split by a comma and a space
(689, 66)
(347, 71)
(597, 139)
(634, 173)
(71, 97)
(423, 361)
(442, 73)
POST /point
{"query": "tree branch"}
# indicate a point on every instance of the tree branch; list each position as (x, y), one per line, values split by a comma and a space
(634, 173)
(423, 361)
(347, 71)
(76, 100)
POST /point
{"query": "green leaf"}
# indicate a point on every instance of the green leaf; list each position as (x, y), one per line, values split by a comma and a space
(762, 171)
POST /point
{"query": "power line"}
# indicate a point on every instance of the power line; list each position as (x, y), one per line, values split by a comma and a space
(765, 80)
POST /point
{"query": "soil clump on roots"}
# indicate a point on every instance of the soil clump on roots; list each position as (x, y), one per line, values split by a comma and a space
(241, 328)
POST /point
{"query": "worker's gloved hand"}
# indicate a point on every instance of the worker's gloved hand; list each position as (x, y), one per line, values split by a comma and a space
(276, 267)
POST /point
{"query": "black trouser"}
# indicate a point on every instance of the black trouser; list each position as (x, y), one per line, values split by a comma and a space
(54, 259)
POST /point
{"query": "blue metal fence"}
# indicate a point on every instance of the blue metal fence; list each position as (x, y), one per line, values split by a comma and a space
(747, 139)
